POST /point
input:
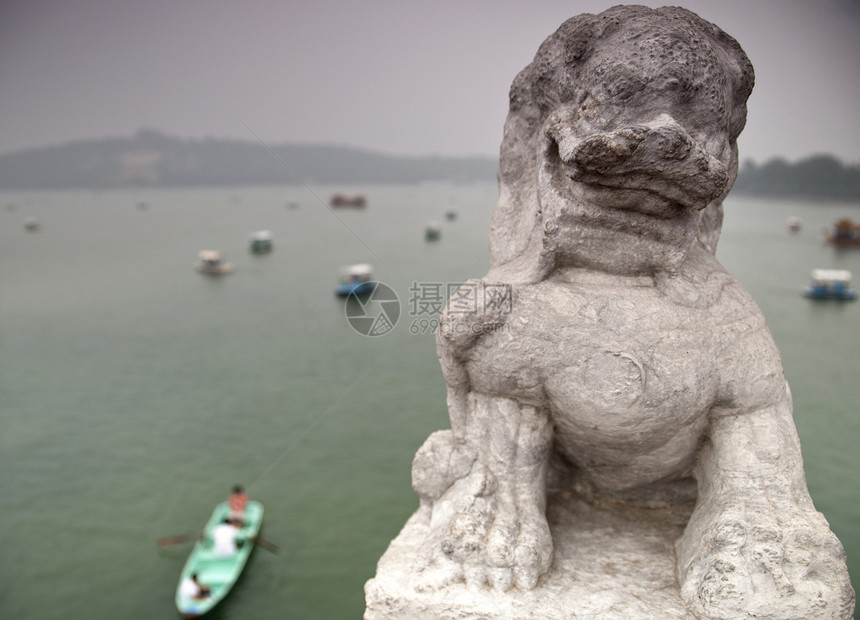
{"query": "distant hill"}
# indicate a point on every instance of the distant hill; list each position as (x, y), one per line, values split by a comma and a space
(154, 159)
(821, 176)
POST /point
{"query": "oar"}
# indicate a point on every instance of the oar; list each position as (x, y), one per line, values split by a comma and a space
(167, 541)
(265, 544)
(174, 540)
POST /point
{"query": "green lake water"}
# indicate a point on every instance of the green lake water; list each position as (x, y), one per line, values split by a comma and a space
(134, 392)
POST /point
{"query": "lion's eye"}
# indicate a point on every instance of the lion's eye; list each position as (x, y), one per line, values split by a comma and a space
(675, 80)
(625, 88)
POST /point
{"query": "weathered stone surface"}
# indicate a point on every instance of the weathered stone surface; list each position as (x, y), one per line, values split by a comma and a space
(621, 441)
(609, 564)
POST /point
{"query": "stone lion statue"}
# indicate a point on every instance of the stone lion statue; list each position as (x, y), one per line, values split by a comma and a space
(629, 367)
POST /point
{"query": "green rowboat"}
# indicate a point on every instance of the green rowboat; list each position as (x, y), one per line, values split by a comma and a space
(218, 573)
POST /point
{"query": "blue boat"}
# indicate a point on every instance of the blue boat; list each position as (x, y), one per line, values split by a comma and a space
(830, 284)
(355, 280)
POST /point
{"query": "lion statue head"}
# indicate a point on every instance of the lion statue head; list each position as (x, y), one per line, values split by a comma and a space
(619, 147)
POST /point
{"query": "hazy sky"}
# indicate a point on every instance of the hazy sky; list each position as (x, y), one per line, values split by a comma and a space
(398, 76)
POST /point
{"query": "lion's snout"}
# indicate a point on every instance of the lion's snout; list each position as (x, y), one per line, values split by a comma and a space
(659, 156)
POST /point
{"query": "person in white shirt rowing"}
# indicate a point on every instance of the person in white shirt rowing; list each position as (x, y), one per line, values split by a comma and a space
(226, 539)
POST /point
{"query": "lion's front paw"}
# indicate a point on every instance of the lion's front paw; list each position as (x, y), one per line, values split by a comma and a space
(765, 564)
(439, 463)
(489, 540)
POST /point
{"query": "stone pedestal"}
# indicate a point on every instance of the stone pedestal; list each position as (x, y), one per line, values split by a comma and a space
(610, 562)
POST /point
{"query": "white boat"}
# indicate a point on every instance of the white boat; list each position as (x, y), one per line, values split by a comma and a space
(31, 224)
(210, 262)
(794, 224)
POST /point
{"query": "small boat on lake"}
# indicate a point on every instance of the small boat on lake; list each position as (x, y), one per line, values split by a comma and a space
(830, 284)
(794, 224)
(261, 242)
(352, 202)
(432, 231)
(845, 233)
(355, 280)
(211, 262)
(31, 224)
(218, 573)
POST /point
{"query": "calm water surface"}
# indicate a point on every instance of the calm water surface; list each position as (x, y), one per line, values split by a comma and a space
(134, 391)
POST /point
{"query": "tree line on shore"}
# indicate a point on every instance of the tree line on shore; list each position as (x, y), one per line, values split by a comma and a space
(820, 176)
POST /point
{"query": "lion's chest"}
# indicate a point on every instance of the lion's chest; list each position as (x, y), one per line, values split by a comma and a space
(625, 365)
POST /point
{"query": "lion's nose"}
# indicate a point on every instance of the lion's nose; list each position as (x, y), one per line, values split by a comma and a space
(658, 155)
(635, 147)
(602, 152)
